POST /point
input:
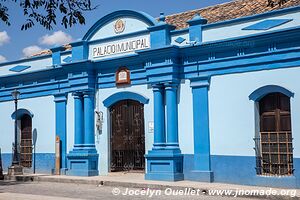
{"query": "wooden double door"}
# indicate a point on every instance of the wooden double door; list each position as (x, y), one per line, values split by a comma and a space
(26, 141)
(127, 141)
(276, 135)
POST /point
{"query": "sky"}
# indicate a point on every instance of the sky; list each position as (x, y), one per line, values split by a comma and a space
(16, 44)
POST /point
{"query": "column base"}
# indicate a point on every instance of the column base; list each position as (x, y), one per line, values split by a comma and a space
(164, 165)
(201, 176)
(63, 171)
(159, 146)
(15, 170)
(83, 162)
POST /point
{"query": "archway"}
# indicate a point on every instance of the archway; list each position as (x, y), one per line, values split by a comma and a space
(127, 137)
(26, 141)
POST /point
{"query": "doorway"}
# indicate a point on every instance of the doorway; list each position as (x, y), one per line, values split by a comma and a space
(26, 141)
(127, 138)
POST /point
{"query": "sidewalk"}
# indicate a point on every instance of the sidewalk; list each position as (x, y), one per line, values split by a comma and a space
(136, 180)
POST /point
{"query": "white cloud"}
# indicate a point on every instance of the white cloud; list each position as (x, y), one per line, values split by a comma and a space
(57, 38)
(29, 51)
(2, 59)
(4, 38)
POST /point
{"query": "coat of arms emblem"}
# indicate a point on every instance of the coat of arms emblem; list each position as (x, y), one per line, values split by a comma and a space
(119, 26)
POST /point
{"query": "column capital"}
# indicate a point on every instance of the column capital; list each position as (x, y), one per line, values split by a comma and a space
(77, 94)
(200, 82)
(171, 85)
(157, 87)
(83, 93)
(88, 93)
(59, 97)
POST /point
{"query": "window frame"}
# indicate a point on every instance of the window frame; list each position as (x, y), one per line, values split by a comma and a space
(260, 150)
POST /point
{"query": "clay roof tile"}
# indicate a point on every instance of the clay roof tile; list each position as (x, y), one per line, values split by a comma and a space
(227, 11)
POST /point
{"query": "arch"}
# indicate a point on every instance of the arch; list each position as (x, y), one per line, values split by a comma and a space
(108, 102)
(21, 112)
(127, 121)
(121, 13)
(263, 91)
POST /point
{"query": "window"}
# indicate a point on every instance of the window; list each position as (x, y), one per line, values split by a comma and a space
(274, 145)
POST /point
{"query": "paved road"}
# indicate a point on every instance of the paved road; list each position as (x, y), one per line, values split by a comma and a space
(63, 191)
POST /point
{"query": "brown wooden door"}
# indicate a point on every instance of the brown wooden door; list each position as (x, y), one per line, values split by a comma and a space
(276, 135)
(26, 141)
(127, 136)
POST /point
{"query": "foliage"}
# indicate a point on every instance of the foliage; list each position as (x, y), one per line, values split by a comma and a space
(46, 12)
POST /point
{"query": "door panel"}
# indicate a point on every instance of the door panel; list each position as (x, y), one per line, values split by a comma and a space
(127, 136)
(276, 135)
(26, 141)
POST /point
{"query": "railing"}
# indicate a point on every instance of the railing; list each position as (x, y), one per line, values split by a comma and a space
(274, 153)
(26, 153)
(127, 160)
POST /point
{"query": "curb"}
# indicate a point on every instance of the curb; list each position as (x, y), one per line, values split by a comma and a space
(203, 191)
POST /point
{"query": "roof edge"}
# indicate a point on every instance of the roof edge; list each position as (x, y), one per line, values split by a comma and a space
(255, 16)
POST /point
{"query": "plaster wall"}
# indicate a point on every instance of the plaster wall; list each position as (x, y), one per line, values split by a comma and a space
(43, 109)
(36, 65)
(131, 25)
(232, 114)
(235, 30)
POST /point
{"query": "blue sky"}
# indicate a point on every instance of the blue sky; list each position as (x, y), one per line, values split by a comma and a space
(16, 44)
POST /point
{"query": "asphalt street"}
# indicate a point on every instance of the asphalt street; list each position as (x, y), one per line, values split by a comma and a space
(65, 191)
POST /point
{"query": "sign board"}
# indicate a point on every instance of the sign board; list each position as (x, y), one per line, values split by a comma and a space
(115, 45)
(150, 127)
(123, 76)
(121, 46)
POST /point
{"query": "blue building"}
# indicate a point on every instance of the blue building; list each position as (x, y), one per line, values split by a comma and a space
(206, 95)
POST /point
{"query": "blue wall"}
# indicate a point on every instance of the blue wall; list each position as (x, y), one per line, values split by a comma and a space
(241, 170)
(227, 169)
(45, 162)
